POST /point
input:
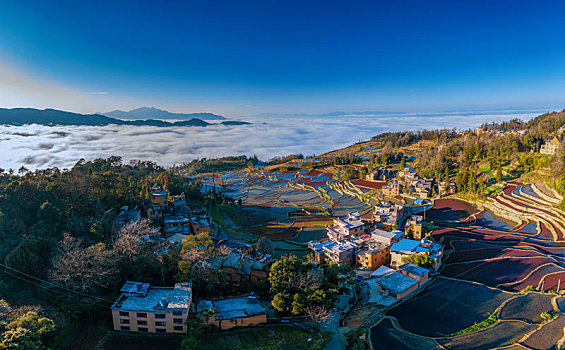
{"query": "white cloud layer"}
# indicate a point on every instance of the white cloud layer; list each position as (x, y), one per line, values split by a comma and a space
(36, 146)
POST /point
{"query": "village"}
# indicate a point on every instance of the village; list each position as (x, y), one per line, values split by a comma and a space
(386, 246)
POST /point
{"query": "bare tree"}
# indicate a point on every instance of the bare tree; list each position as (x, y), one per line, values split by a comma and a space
(83, 268)
(223, 250)
(309, 280)
(128, 242)
(319, 315)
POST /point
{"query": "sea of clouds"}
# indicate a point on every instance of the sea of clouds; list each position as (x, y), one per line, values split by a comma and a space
(37, 146)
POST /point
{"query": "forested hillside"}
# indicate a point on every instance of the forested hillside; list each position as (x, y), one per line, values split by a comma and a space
(59, 256)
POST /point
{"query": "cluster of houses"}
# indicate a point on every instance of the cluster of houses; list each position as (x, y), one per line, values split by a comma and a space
(145, 308)
(388, 215)
(371, 243)
(173, 213)
(148, 309)
(361, 244)
(421, 188)
(548, 147)
(239, 267)
(379, 174)
(407, 181)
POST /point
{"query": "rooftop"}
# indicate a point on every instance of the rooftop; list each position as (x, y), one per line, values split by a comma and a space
(384, 234)
(381, 271)
(160, 193)
(176, 238)
(234, 307)
(414, 269)
(372, 247)
(405, 245)
(350, 222)
(396, 282)
(339, 247)
(317, 245)
(200, 221)
(161, 299)
(176, 220)
(131, 287)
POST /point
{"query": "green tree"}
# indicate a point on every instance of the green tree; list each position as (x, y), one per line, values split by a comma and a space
(283, 274)
(318, 297)
(281, 302)
(26, 332)
(498, 172)
(297, 304)
(199, 242)
(422, 260)
(30, 256)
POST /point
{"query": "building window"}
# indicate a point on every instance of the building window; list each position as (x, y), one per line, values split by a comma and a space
(178, 328)
(143, 323)
(159, 323)
(160, 330)
(177, 313)
(142, 329)
(124, 313)
(160, 316)
(177, 320)
(123, 321)
(142, 315)
(124, 328)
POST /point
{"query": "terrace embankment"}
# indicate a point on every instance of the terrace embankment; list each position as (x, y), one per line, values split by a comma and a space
(510, 243)
(290, 208)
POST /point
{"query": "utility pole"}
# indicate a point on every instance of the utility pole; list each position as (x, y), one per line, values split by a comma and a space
(558, 285)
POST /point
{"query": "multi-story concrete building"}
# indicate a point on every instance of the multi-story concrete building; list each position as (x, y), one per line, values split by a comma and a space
(414, 226)
(408, 247)
(373, 254)
(391, 189)
(388, 214)
(176, 224)
(550, 146)
(340, 253)
(142, 308)
(378, 174)
(159, 196)
(350, 226)
(387, 237)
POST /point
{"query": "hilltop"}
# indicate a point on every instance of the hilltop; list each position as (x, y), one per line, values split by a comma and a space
(51, 117)
(156, 113)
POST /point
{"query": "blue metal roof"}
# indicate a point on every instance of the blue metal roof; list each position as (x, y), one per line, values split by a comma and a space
(405, 245)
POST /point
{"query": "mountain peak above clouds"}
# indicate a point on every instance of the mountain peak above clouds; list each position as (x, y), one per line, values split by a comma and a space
(156, 113)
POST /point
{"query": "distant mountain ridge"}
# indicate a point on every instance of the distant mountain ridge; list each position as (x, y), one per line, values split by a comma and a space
(156, 113)
(51, 117)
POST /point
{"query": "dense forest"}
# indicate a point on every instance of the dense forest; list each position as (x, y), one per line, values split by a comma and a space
(60, 259)
(477, 159)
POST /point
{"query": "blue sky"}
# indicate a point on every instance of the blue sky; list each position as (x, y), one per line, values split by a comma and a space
(249, 57)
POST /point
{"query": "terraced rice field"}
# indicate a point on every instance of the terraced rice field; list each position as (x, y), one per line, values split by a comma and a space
(316, 193)
(496, 257)
(447, 306)
(450, 210)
